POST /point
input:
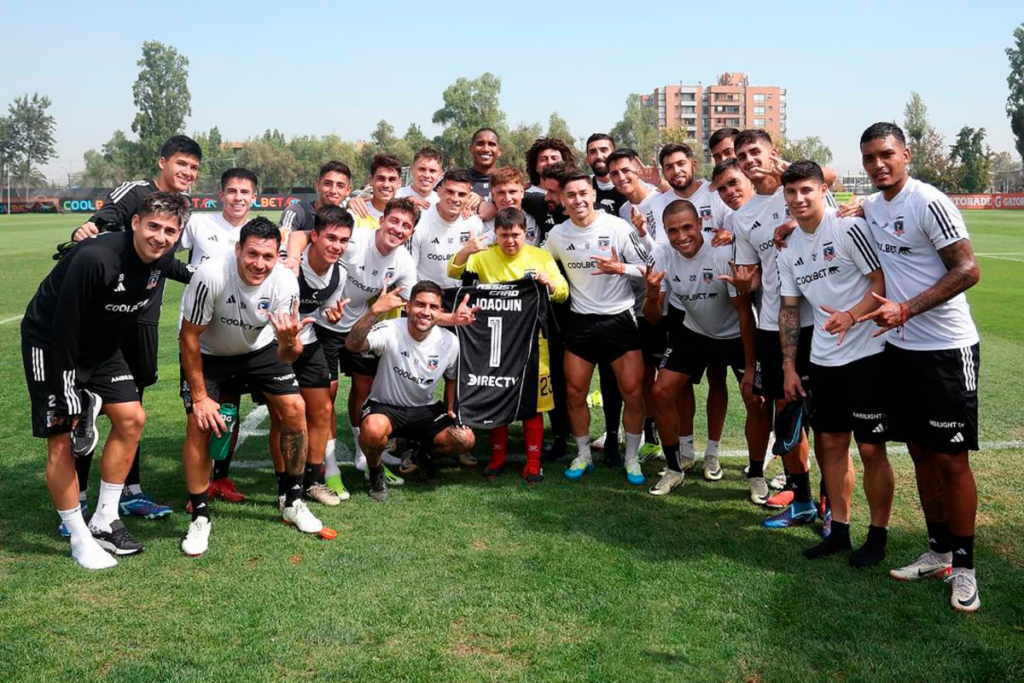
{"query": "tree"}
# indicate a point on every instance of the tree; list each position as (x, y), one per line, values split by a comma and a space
(415, 138)
(215, 160)
(468, 106)
(27, 137)
(638, 128)
(1006, 172)
(516, 142)
(559, 128)
(969, 152)
(810, 148)
(273, 163)
(928, 160)
(1015, 102)
(163, 100)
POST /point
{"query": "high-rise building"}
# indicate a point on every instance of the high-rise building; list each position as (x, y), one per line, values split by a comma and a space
(700, 110)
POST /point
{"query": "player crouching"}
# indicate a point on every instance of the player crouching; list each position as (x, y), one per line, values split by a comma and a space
(414, 354)
(241, 332)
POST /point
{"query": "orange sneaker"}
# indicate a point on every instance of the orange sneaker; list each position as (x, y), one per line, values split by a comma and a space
(225, 490)
(780, 500)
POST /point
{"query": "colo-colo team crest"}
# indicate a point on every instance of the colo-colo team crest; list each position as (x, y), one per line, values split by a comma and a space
(829, 251)
(432, 362)
(709, 276)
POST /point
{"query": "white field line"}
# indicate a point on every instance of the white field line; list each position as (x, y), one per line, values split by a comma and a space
(12, 319)
(1001, 257)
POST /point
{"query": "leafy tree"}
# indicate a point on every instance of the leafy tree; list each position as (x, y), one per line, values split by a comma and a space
(415, 138)
(516, 142)
(215, 160)
(27, 137)
(559, 128)
(273, 163)
(1006, 172)
(969, 152)
(162, 97)
(928, 160)
(811, 148)
(113, 164)
(468, 106)
(1015, 102)
(638, 128)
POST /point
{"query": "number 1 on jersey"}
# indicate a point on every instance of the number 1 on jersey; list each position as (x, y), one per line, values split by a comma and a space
(495, 324)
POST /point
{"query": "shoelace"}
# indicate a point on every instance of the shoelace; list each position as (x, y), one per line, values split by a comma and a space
(961, 581)
(579, 464)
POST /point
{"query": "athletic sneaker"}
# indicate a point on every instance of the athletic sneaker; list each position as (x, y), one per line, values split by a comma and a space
(468, 460)
(779, 482)
(782, 499)
(495, 470)
(224, 489)
(928, 566)
(393, 479)
(649, 451)
(116, 541)
(335, 484)
(323, 495)
(964, 597)
(758, 490)
(305, 521)
(85, 435)
(594, 399)
(533, 477)
(688, 465)
(669, 482)
(141, 505)
(63, 529)
(791, 517)
(634, 475)
(578, 468)
(379, 488)
(408, 466)
(197, 540)
(712, 468)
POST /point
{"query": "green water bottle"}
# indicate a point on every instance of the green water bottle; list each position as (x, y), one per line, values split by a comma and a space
(220, 445)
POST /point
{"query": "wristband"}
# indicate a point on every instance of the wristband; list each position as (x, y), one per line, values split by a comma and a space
(904, 314)
(853, 318)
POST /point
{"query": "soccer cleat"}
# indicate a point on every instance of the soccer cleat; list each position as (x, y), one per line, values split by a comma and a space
(379, 488)
(197, 540)
(780, 500)
(116, 541)
(85, 435)
(495, 470)
(712, 468)
(688, 464)
(141, 505)
(791, 517)
(578, 468)
(649, 451)
(964, 597)
(467, 460)
(408, 466)
(930, 565)
(393, 479)
(826, 524)
(63, 529)
(299, 515)
(533, 477)
(779, 482)
(335, 484)
(669, 482)
(224, 489)
(758, 490)
(323, 495)
(634, 475)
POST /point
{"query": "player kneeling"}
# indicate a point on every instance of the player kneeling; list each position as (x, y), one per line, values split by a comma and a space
(414, 354)
(831, 262)
(241, 332)
(718, 328)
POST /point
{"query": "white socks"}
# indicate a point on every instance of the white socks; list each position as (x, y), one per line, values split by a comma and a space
(686, 450)
(632, 446)
(84, 548)
(107, 505)
(388, 459)
(331, 468)
(711, 448)
(360, 458)
(134, 489)
(583, 447)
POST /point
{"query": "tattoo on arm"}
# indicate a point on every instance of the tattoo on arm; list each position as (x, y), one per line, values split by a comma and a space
(356, 340)
(789, 331)
(962, 273)
(293, 450)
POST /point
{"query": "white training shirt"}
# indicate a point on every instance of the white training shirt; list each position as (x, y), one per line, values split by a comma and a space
(435, 241)
(710, 208)
(407, 191)
(575, 248)
(368, 272)
(206, 235)
(308, 334)
(532, 232)
(909, 231)
(692, 285)
(829, 267)
(409, 370)
(236, 315)
(754, 226)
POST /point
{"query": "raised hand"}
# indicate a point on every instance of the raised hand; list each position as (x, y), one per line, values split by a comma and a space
(742, 278)
(639, 221)
(653, 279)
(839, 322)
(475, 244)
(888, 315)
(287, 324)
(471, 204)
(335, 313)
(387, 301)
(464, 314)
(609, 265)
(650, 174)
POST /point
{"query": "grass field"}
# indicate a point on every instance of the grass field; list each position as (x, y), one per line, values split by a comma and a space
(472, 581)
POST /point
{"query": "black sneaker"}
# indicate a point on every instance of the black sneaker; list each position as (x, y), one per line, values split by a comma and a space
(117, 541)
(85, 436)
(553, 451)
(379, 487)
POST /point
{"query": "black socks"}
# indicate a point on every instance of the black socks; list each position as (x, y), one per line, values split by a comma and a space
(200, 505)
(873, 551)
(838, 541)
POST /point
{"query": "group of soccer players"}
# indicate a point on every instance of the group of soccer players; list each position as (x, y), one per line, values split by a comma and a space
(841, 322)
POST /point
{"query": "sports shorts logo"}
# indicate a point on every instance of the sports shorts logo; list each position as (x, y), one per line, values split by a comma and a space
(121, 378)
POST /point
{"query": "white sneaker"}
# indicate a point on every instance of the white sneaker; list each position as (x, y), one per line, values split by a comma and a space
(778, 483)
(197, 540)
(304, 520)
(929, 566)
(712, 468)
(323, 495)
(669, 482)
(688, 464)
(759, 492)
(964, 597)
(598, 443)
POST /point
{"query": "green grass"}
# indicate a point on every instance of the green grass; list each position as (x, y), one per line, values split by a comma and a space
(470, 581)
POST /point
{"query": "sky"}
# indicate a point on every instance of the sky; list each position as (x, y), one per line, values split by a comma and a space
(318, 68)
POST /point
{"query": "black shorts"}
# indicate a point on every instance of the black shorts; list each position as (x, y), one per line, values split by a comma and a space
(933, 397)
(140, 347)
(109, 378)
(311, 368)
(690, 353)
(850, 398)
(341, 361)
(653, 340)
(601, 338)
(419, 423)
(768, 370)
(259, 372)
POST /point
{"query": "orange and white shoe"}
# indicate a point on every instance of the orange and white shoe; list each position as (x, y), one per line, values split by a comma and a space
(225, 490)
(780, 500)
